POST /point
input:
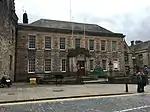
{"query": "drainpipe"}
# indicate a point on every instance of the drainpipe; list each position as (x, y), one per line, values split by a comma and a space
(16, 36)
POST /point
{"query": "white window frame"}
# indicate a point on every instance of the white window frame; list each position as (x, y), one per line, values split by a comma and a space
(29, 39)
(65, 43)
(28, 65)
(65, 64)
(80, 42)
(101, 45)
(90, 64)
(44, 67)
(112, 46)
(89, 45)
(106, 64)
(47, 49)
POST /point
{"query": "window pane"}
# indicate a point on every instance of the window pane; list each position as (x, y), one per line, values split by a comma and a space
(31, 41)
(48, 65)
(104, 64)
(103, 45)
(32, 65)
(62, 43)
(91, 65)
(77, 43)
(63, 64)
(48, 42)
(140, 60)
(91, 44)
(114, 45)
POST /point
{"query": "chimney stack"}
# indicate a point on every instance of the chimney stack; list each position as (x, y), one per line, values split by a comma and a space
(132, 43)
(25, 18)
(138, 42)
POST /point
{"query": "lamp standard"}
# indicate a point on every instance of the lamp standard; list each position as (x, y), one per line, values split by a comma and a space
(110, 71)
(133, 60)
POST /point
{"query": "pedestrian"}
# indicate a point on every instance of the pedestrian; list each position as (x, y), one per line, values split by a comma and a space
(139, 82)
(144, 81)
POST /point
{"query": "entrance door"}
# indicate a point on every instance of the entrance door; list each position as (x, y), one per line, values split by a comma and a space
(82, 68)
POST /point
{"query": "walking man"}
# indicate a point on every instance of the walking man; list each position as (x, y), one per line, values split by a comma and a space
(139, 82)
(144, 81)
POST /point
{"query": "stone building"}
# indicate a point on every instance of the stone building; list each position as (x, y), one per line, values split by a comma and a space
(52, 47)
(128, 53)
(140, 54)
(8, 23)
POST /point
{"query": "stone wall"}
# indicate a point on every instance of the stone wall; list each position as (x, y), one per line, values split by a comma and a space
(7, 39)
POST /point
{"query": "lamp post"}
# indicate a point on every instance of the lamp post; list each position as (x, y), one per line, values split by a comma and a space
(110, 70)
(133, 59)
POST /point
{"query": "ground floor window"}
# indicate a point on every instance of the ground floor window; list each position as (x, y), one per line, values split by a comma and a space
(31, 65)
(104, 64)
(91, 65)
(63, 65)
(48, 65)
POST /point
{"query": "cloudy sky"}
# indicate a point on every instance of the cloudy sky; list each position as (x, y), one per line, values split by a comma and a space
(130, 17)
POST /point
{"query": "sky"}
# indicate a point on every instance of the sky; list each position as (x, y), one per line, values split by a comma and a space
(130, 17)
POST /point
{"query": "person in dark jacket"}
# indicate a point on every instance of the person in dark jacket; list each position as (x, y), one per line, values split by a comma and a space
(144, 81)
(3, 80)
(139, 82)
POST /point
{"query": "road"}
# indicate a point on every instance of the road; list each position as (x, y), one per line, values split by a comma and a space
(123, 103)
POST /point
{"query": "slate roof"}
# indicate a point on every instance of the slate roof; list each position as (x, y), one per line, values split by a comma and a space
(141, 46)
(57, 26)
(68, 25)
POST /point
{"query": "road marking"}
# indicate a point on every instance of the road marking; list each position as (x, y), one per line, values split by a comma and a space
(67, 99)
(136, 108)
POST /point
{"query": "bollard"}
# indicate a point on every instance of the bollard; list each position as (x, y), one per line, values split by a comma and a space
(126, 87)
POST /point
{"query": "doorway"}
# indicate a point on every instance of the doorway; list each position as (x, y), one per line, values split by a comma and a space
(82, 67)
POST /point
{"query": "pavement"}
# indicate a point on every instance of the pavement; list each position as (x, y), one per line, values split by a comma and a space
(20, 92)
(116, 103)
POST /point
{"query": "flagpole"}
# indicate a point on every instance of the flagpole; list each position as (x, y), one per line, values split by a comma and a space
(70, 10)
(84, 33)
(72, 30)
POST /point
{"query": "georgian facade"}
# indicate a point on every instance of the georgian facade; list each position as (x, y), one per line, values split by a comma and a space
(49, 47)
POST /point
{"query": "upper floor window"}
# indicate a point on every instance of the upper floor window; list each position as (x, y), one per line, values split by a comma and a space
(114, 45)
(31, 65)
(47, 42)
(103, 45)
(91, 44)
(140, 58)
(62, 43)
(77, 43)
(47, 65)
(31, 42)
